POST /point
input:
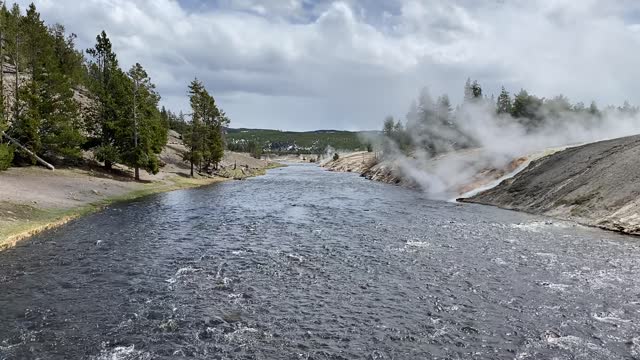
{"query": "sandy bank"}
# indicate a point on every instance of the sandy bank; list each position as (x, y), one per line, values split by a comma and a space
(596, 184)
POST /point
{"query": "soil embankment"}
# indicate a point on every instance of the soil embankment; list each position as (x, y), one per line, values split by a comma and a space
(596, 184)
(33, 199)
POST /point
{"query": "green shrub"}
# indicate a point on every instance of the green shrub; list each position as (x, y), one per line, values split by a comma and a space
(6, 156)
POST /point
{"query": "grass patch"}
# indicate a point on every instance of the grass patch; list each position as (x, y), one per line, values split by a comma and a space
(275, 165)
(24, 221)
(241, 173)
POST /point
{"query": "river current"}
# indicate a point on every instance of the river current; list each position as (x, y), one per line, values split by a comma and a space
(307, 264)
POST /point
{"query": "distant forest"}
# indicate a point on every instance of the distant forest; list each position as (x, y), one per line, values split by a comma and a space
(290, 142)
(437, 127)
(60, 105)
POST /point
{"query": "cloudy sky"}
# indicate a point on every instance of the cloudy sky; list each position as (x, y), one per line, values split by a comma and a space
(320, 64)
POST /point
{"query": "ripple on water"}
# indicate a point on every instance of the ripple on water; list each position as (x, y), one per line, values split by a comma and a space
(304, 263)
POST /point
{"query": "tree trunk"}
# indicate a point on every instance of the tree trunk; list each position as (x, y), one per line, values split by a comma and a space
(2, 75)
(191, 167)
(108, 165)
(15, 104)
(135, 130)
(16, 143)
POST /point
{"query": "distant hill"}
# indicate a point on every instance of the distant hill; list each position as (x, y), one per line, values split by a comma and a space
(276, 141)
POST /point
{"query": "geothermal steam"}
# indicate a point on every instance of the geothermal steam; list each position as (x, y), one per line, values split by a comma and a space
(495, 141)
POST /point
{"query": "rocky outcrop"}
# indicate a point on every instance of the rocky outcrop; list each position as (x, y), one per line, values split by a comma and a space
(596, 184)
(388, 172)
(369, 165)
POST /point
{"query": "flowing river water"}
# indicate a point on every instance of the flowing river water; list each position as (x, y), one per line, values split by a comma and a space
(307, 264)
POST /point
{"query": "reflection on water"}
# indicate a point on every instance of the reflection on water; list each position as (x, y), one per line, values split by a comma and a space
(308, 264)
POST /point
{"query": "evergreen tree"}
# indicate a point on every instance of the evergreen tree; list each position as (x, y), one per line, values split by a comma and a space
(468, 91)
(388, 126)
(177, 122)
(557, 107)
(217, 145)
(627, 109)
(108, 85)
(476, 90)
(593, 109)
(398, 127)
(444, 109)
(193, 138)
(46, 115)
(3, 34)
(527, 108)
(69, 60)
(143, 134)
(13, 27)
(503, 106)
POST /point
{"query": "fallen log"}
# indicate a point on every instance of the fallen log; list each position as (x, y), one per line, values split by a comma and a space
(16, 143)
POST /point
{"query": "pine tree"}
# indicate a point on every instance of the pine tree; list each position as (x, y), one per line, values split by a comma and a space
(107, 83)
(472, 91)
(204, 136)
(503, 105)
(579, 107)
(558, 106)
(218, 138)
(210, 140)
(388, 126)
(593, 109)
(143, 133)
(468, 91)
(46, 117)
(14, 26)
(193, 138)
(3, 115)
(444, 109)
(476, 90)
(526, 108)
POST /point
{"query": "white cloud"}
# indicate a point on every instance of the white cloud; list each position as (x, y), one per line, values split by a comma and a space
(305, 64)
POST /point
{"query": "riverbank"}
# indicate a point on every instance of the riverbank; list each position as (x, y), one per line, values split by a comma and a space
(596, 185)
(34, 199)
(444, 176)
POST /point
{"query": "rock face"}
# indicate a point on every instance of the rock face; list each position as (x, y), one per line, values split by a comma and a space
(596, 184)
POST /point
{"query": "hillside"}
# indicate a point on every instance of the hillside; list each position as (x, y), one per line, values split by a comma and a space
(596, 184)
(277, 141)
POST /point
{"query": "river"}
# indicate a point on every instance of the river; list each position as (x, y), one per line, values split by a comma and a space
(307, 264)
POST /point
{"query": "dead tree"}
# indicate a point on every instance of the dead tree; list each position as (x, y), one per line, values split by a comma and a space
(23, 148)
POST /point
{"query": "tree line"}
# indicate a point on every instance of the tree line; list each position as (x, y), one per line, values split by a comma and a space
(436, 126)
(58, 102)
